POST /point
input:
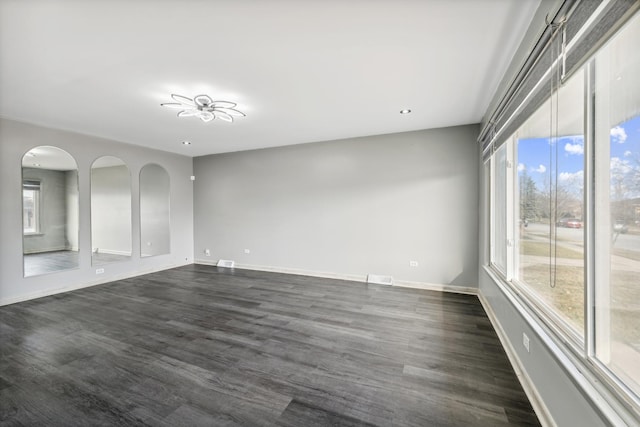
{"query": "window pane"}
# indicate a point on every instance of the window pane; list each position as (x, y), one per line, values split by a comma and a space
(549, 203)
(499, 253)
(618, 212)
(30, 210)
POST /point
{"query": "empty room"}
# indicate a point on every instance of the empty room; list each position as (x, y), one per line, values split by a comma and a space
(320, 213)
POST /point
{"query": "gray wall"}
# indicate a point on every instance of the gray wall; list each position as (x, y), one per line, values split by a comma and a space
(155, 210)
(111, 210)
(15, 140)
(346, 207)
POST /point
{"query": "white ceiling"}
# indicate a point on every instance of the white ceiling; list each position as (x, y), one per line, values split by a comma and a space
(301, 70)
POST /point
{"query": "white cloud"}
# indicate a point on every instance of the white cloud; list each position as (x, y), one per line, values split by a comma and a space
(540, 169)
(572, 181)
(619, 166)
(571, 177)
(521, 167)
(574, 148)
(618, 135)
(627, 153)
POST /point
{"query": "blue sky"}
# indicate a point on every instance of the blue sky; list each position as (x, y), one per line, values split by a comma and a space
(533, 154)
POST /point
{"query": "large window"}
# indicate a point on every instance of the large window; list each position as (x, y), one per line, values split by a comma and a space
(565, 199)
(31, 206)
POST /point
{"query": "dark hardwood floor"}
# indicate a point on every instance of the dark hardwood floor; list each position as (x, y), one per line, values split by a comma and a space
(198, 345)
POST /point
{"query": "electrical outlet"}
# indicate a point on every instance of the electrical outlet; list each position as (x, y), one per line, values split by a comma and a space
(207, 252)
(525, 341)
(413, 263)
(247, 251)
(99, 270)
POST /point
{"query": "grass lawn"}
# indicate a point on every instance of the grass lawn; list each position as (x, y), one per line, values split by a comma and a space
(625, 307)
(626, 253)
(532, 247)
(620, 308)
(568, 294)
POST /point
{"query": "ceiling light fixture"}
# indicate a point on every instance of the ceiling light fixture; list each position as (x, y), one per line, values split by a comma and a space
(186, 143)
(203, 107)
(405, 111)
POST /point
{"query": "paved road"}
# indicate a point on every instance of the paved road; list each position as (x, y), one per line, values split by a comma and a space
(623, 241)
(571, 238)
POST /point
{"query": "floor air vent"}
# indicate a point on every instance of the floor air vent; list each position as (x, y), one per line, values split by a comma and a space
(380, 280)
(225, 263)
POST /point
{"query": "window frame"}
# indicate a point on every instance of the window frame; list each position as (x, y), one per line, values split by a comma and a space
(35, 185)
(544, 311)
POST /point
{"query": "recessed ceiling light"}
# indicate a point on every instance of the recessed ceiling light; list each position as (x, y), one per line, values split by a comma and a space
(405, 111)
(203, 107)
(186, 143)
(36, 164)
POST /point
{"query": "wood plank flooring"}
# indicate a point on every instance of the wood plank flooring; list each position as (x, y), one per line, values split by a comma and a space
(49, 262)
(198, 345)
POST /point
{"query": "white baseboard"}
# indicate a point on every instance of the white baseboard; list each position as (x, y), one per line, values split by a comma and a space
(541, 410)
(351, 277)
(437, 287)
(44, 251)
(300, 272)
(54, 291)
(113, 252)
